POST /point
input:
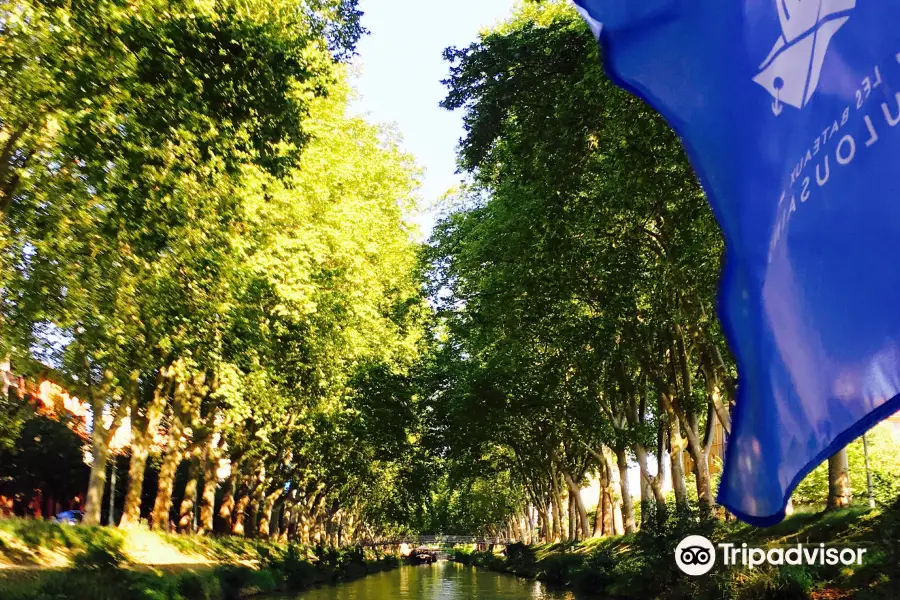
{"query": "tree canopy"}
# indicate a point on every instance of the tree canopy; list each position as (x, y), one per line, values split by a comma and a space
(577, 276)
(199, 233)
(203, 239)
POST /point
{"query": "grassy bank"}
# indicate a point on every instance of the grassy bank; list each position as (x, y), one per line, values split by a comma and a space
(106, 564)
(642, 565)
(30, 543)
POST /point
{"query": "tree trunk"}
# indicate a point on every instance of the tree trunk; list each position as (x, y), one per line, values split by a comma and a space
(713, 366)
(189, 502)
(701, 473)
(303, 528)
(137, 466)
(265, 510)
(101, 438)
(615, 493)
(208, 495)
(558, 530)
(251, 524)
(602, 512)
(163, 503)
(167, 471)
(627, 503)
(869, 490)
(292, 514)
(546, 528)
(646, 478)
(185, 403)
(240, 514)
(839, 492)
(698, 453)
(278, 524)
(704, 486)
(143, 430)
(204, 461)
(676, 456)
(527, 529)
(577, 503)
(647, 497)
(605, 511)
(226, 510)
(97, 479)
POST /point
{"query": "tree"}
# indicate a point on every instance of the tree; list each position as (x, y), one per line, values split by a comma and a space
(48, 456)
(577, 271)
(839, 491)
(200, 236)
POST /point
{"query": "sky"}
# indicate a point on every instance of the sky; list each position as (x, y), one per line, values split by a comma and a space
(401, 68)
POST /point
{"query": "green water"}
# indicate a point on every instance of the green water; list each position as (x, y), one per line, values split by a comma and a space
(440, 581)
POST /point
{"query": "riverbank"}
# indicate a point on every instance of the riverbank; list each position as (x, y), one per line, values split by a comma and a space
(43, 560)
(642, 565)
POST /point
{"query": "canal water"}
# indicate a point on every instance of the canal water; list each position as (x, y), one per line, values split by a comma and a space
(440, 581)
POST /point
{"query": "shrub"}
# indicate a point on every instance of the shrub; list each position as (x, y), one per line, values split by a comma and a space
(145, 586)
(353, 555)
(489, 560)
(769, 583)
(196, 586)
(462, 555)
(387, 562)
(521, 560)
(233, 578)
(558, 569)
(596, 573)
(104, 553)
(298, 572)
(263, 580)
(327, 561)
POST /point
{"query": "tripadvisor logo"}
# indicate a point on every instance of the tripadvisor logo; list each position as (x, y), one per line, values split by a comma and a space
(696, 555)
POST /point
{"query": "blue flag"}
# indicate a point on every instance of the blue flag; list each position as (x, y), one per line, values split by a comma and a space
(789, 110)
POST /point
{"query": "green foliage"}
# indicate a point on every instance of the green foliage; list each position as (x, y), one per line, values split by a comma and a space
(487, 560)
(570, 270)
(12, 417)
(766, 583)
(298, 572)
(642, 565)
(473, 503)
(521, 560)
(560, 569)
(226, 548)
(46, 455)
(194, 223)
(884, 465)
(39, 535)
(101, 574)
(233, 578)
(101, 555)
(199, 586)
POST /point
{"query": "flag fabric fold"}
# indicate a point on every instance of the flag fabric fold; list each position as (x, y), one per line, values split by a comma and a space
(790, 114)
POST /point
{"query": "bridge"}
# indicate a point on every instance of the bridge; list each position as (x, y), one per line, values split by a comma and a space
(441, 540)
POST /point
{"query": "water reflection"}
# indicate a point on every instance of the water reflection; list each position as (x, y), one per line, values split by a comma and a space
(440, 581)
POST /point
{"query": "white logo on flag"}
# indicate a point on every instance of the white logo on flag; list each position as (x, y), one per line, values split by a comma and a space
(791, 71)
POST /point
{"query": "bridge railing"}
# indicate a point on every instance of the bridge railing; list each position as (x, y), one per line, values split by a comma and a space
(428, 540)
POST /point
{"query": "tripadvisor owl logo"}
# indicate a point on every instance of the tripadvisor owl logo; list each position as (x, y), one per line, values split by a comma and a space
(696, 555)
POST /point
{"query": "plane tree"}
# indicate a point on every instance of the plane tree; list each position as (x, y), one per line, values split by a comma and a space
(585, 246)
